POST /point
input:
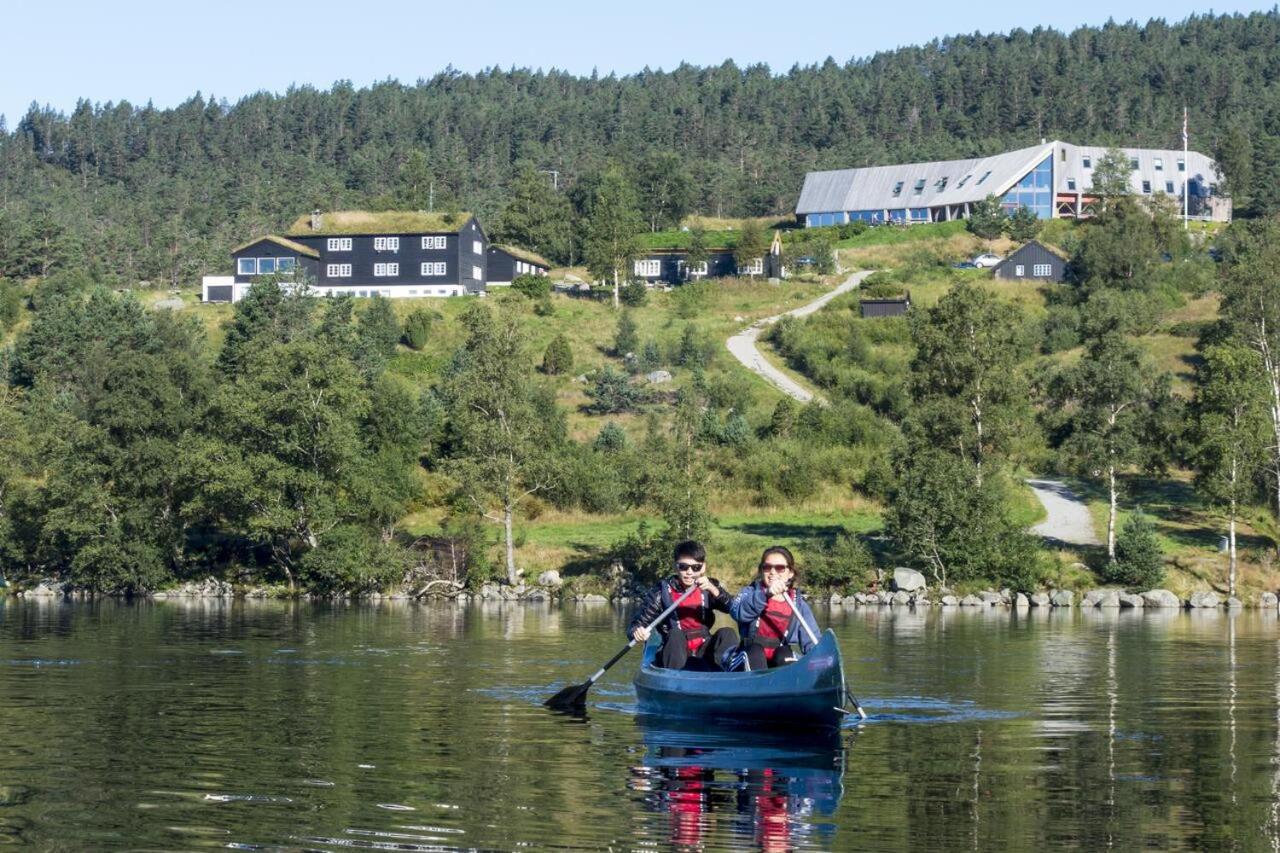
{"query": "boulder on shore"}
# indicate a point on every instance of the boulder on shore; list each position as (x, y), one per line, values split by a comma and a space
(550, 578)
(1128, 599)
(1063, 598)
(1268, 599)
(1040, 599)
(1234, 603)
(1160, 598)
(907, 580)
(1110, 598)
(991, 599)
(901, 597)
(950, 601)
(971, 601)
(1204, 600)
(1021, 602)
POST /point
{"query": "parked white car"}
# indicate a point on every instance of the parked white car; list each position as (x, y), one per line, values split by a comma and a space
(987, 260)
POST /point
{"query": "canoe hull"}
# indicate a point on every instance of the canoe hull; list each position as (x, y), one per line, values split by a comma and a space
(808, 692)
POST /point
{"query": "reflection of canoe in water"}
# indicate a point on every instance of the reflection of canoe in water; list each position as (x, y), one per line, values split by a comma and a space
(806, 693)
(736, 787)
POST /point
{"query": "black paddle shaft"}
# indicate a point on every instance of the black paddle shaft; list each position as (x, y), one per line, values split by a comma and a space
(576, 695)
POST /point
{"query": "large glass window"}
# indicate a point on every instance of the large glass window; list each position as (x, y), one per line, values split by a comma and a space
(246, 266)
(865, 215)
(285, 264)
(1034, 191)
(266, 266)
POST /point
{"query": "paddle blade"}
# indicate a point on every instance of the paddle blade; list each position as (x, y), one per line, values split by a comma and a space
(571, 697)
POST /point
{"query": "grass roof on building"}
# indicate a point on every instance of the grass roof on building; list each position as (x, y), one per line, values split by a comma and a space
(379, 222)
(524, 254)
(288, 244)
(715, 240)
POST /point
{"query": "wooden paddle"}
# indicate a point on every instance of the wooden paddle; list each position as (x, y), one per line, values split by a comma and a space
(575, 696)
(813, 638)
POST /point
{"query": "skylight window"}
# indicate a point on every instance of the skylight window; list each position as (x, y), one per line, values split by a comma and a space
(897, 189)
(1071, 184)
(963, 181)
(1133, 163)
(985, 175)
(1159, 164)
(1088, 162)
(919, 187)
(942, 184)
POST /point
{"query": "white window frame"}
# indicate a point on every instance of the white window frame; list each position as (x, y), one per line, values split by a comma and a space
(386, 244)
(648, 268)
(293, 265)
(1088, 162)
(430, 268)
(338, 271)
(477, 247)
(477, 273)
(434, 242)
(1159, 161)
(386, 270)
(262, 266)
(246, 266)
(1019, 271)
(339, 244)
(1041, 270)
(1182, 165)
(756, 267)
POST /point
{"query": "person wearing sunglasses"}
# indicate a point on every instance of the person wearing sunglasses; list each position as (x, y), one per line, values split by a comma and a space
(687, 639)
(770, 630)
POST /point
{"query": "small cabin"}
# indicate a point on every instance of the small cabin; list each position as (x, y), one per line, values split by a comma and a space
(1034, 261)
(895, 306)
(507, 263)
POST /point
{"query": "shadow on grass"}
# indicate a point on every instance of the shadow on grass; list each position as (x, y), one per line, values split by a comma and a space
(787, 530)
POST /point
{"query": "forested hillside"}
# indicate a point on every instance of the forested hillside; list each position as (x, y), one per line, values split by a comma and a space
(134, 193)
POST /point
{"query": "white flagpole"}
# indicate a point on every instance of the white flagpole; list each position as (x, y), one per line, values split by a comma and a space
(1186, 167)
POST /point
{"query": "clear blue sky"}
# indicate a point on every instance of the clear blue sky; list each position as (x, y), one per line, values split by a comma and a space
(139, 50)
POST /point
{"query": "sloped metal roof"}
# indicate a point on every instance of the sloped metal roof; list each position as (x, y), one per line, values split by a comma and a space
(872, 187)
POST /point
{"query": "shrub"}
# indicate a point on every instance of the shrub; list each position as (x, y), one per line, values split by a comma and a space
(10, 303)
(417, 328)
(558, 358)
(625, 339)
(634, 293)
(1139, 564)
(842, 564)
(533, 286)
(350, 560)
(613, 393)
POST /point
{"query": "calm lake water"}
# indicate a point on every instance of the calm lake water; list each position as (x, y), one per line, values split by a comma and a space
(270, 726)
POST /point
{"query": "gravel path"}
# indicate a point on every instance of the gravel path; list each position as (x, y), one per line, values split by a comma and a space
(1068, 520)
(743, 345)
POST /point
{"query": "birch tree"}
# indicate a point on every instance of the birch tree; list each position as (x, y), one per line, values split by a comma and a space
(1231, 433)
(501, 441)
(613, 225)
(1109, 395)
(964, 378)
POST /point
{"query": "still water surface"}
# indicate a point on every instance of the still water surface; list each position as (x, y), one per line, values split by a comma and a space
(173, 725)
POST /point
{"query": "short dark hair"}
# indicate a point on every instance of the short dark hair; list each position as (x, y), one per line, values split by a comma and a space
(690, 548)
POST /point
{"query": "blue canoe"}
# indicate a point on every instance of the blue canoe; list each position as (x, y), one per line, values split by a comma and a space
(809, 692)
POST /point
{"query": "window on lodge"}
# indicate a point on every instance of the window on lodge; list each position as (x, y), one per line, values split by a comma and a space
(1159, 162)
(1168, 187)
(339, 244)
(1182, 165)
(382, 270)
(963, 181)
(1088, 162)
(918, 188)
(433, 268)
(386, 244)
(1146, 187)
(985, 175)
(1034, 191)
(1133, 163)
(648, 269)
(1071, 184)
(433, 242)
(264, 266)
(1041, 270)
(897, 189)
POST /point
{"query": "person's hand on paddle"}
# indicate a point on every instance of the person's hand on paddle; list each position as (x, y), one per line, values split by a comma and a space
(706, 584)
(778, 587)
(640, 634)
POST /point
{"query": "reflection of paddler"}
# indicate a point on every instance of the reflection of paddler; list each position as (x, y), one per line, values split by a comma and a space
(688, 801)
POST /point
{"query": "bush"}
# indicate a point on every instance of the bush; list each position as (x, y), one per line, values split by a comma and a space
(558, 358)
(613, 393)
(351, 560)
(10, 303)
(843, 564)
(417, 328)
(1139, 564)
(533, 286)
(634, 293)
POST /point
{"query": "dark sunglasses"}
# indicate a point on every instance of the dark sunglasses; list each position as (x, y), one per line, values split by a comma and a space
(689, 567)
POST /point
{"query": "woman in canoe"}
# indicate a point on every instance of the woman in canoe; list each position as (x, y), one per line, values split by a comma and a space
(770, 630)
(687, 639)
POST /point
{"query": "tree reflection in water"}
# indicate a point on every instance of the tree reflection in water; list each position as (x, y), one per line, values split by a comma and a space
(779, 789)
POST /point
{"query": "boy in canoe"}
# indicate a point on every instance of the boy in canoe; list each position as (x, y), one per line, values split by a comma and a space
(770, 629)
(687, 639)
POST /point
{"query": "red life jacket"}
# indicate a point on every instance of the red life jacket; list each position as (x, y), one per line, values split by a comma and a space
(773, 625)
(689, 615)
